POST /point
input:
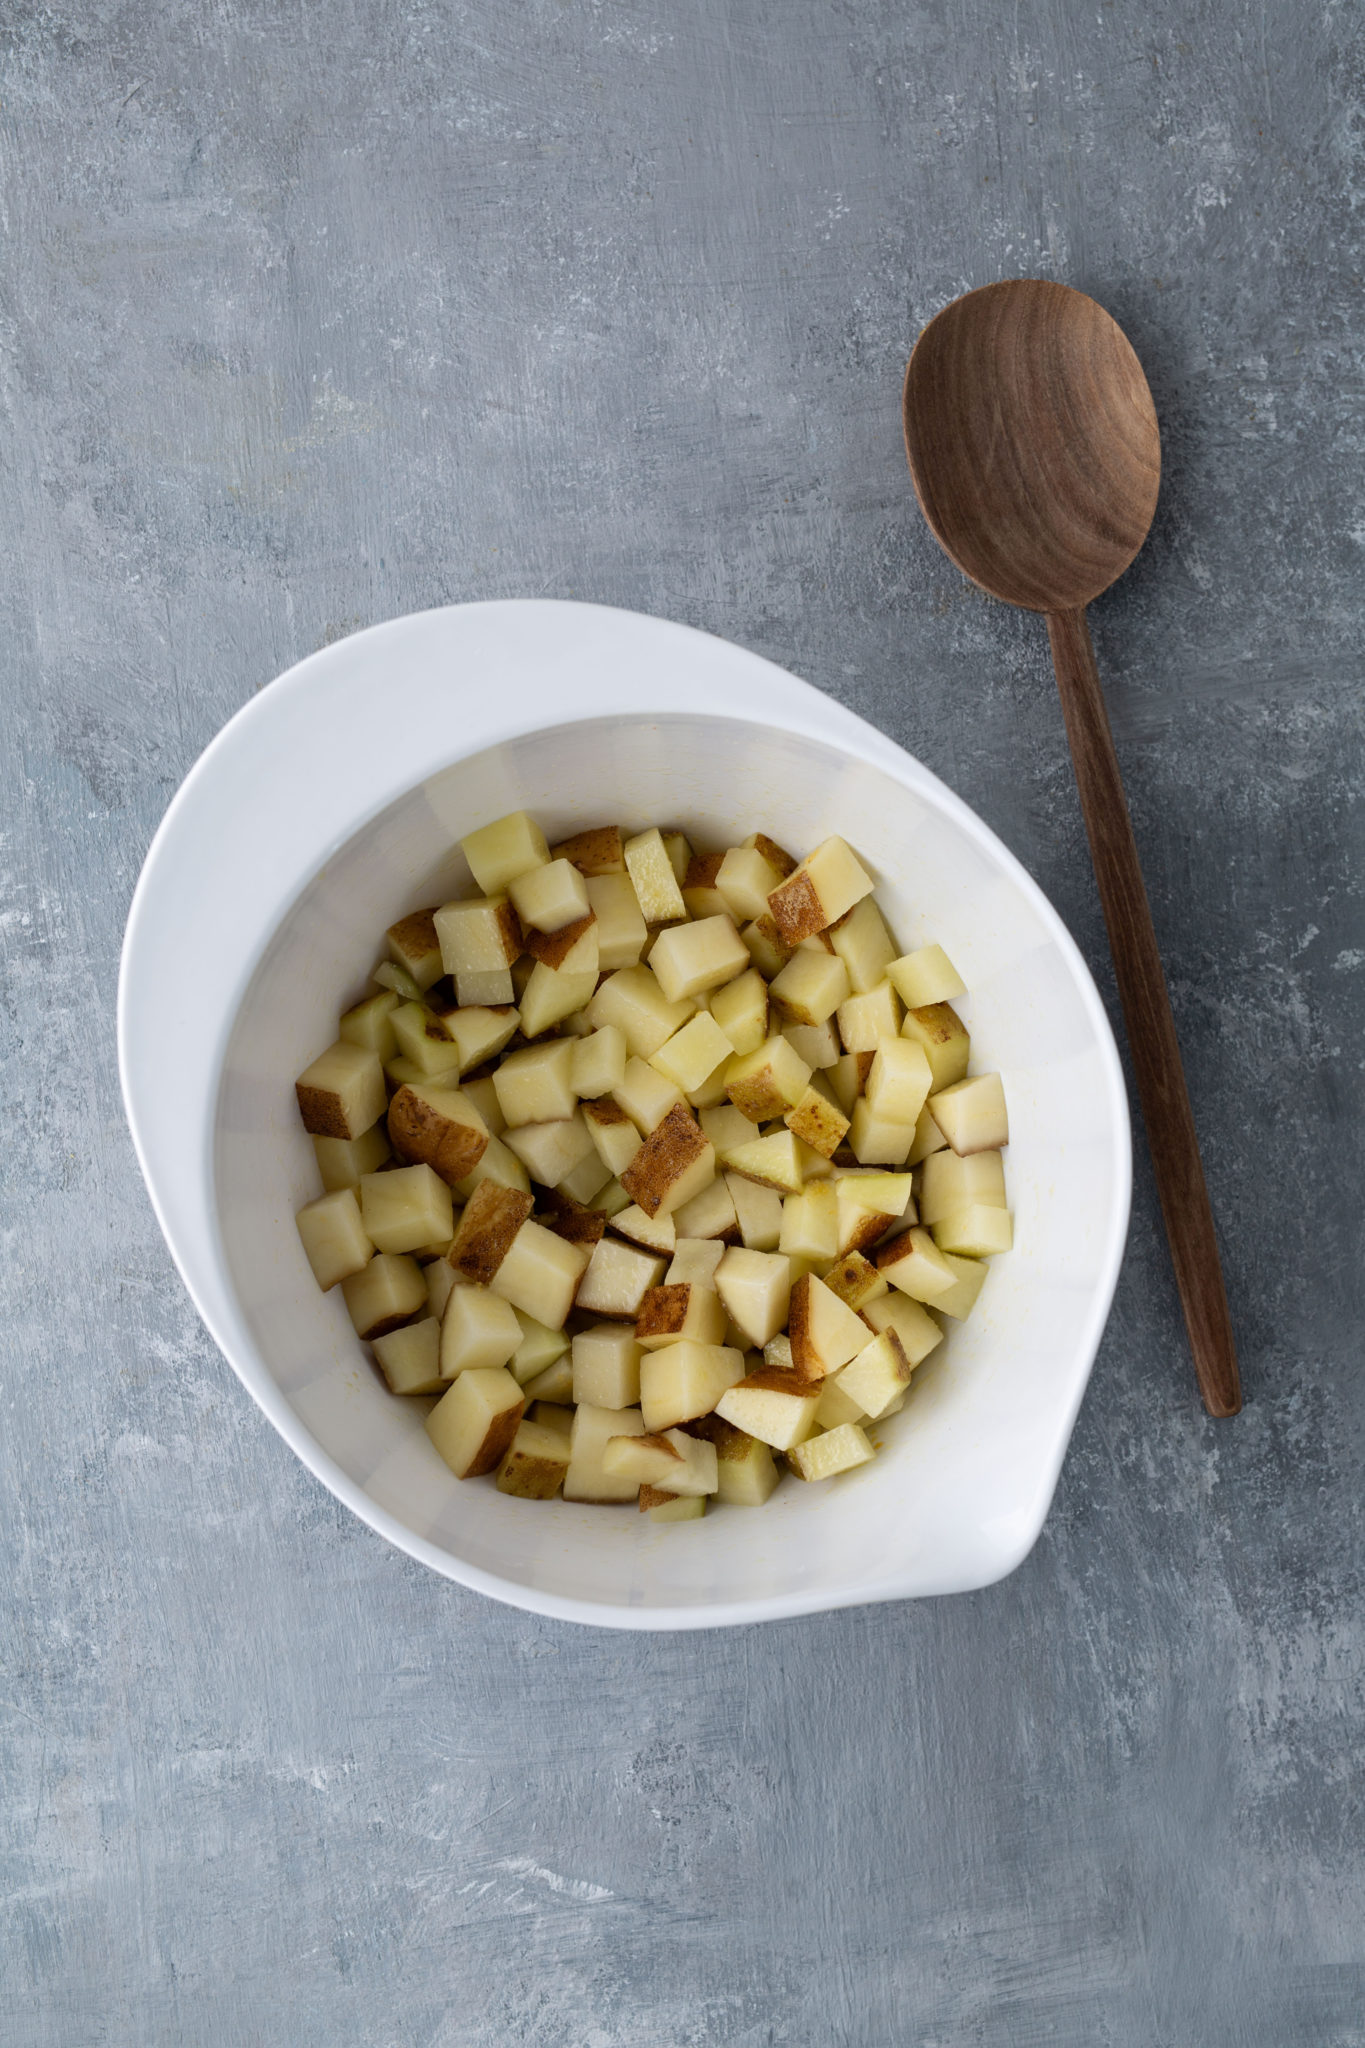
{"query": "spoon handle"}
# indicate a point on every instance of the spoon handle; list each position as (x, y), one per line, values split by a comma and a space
(1147, 1013)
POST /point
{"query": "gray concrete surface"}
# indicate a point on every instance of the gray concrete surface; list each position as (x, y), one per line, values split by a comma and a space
(316, 313)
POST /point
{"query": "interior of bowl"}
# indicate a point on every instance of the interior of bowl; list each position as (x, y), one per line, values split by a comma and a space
(967, 1469)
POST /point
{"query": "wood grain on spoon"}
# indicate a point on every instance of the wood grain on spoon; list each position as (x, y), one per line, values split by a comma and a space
(1036, 459)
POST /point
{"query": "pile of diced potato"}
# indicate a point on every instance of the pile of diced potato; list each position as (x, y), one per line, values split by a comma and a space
(653, 1163)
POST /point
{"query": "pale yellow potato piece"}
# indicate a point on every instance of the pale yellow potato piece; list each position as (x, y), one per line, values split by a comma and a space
(758, 1212)
(370, 1024)
(775, 1406)
(633, 1000)
(689, 959)
(480, 1032)
(725, 1126)
(837, 1450)
(746, 1472)
(925, 976)
(671, 1507)
(879, 1140)
(473, 1425)
(645, 1095)
(540, 1274)
(774, 1162)
(695, 1259)
(653, 877)
(945, 1038)
(810, 987)
(440, 1278)
(496, 1164)
(550, 1152)
(549, 897)
(766, 946)
(819, 1045)
(836, 1406)
(810, 1223)
(481, 935)
(539, 1349)
(710, 1214)
(864, 945)
(478, 1331)
(846, 1077)
(606, 1366)
(745, 880)
(972, 1115)
(499, 852)
(621, 928)
(554, 993)
(914, 1263)
(334, 1237)
(692, 1054)
(611, 1200)
(865, 1020)
(827, 883)
(824, 1331)
(535, 1085)
(585, 1181)
(755, 1288)
(958, 1301)
(343, 1161)
(612, 1132)
(916, 1329)
(769, 1081)
(410, 1358)
(406, 1208)
(682, 1465)
(948, 1182)
(928, 1140)
(342, 1093)
(535, 1462)
(655, 1233)
(617, 1278)
(598, 1063)
(415, 949)
(686, 1380)
(683, 1312)
(741, 1010)
(593, 1429)
(554, 1384)
(494, 990)
(975, 1231)
(878, 1375)
(898, 1082)
(388, 1292)
(427, 1043)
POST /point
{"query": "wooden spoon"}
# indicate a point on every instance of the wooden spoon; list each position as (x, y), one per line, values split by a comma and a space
(1035, 455)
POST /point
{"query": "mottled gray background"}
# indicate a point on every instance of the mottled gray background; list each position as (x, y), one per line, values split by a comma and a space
(316, 313)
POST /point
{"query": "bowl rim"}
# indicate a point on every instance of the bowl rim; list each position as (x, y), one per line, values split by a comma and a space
(171, 1077)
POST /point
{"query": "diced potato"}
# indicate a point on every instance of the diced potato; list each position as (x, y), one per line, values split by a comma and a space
(551, 1416)
(671, 1507)
(682, 1465)
(810, 1223)
(343, 1161)
(540, 1274)
(686, 1380)
(725, 1126)
(554, 993)
(390, 975)
(899, 1081)
(473, 1425)
(370, 1024)
(945, 1039)
(758, 1212)
(856, 1281)
(493, 990)
(492, 1217)
(975, 1231)
(818, 1045)
(683, 1313)
(746, 879)
(497, 1164)
(695, 1259)
(553, 949)
(674, 1163)
(877, 1188)
(774, 1162)
(478, 1330)
(499, 852)
(776, 1407)
(414, 946)
(777, 1352)
(653, 878)
(865, 1020)
(915, 1328)
(438, 1127)
(827, 883)
(334, 1237)
(655, 1233)
(554, 1384)
(480, 1032)
(847, 1076)
(914, 1263)
(406, 1208)
(928, 1138)
(836, 1406)
(584, 1180)
(535, 1085)
(426, 1042)
(611, 1200)
(755, 1288)
(864, 945)
(766, 946)
(410, 1358)
(634, 1001)
(879, 1140)
(859, 1227)
(746, 1473)
(594, 852)
(837, 1450)
(579, 1222)
(534, 1463)
(617, 1279)
(593, 1429)
(621, 928)
(550, 896)
(925, 977)
(810, 987)
(538, 1350)
(878, 1375)
(388, 1292)
(692, 1054)
(612, 1132)
(342, 1093)
(482, 935)
(689, 959)
(972, 1115)
(606, 1366)
(700, 895)
(550, 1152)
(817, 1123)
(645, 1095)
(598, 1063)
(949, 1182)
(768, 1081)
(969, 1277)
(440, 1277)
(824, 1331)
(710, 1214)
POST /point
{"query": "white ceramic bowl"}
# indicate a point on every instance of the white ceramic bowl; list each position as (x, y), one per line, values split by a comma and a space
(329, 806)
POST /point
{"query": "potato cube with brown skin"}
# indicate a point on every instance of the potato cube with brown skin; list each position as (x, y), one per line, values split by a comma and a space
(686, 1380)
(479, 936)
(655, 1233)
(534, 1463)
(645, 1095)
(538, 1350)
(342, 1093)
(758, 1212)
(972, 1115)
(621, 928)
(653, 878)
(598, 1063)
(549, 897)
(492, 1217)
(899, 1081)
(856, 1281)
(810, 987)
(958, 1301)
(617, 1278)
(593, 1429)
(837, 1450)
(776, 1407)
(410, 1358)
(499, 852)
(878, 1375)
(535, 1085)
(945, 1039)
(427, 1043)
(859, 1227)
(741, 1010)
(438, 1127)
(878, 1140)
(810, 1223)
(949, 1182)
(865, 1020)
(699, 892)
(755, 1288)
(916, 1331)
(709, 1214)
(335, 1240)
(371, 1024)
(746, 1474)
(682, 1465)
(827, 883)
(817, 1123)
(774, 1162)
(606, 1366)
(689, 959)
(864, 945)
(746, 878)
(975, 1231)
(824, 1331)
(612, 1132)
(406, 1208)
(478, 1329)
(817, 1044)
(388, 1292)
(692, 1054)
(674, 1163)
(579, 1222)
(552, 949)
(554, 993)
(415, 947)
(594, 852)
(924, 977)
(928, 1138)
(540, 1274)
(683, 1313)
(766, 947)
(342, 1161)
(914, 1263)
(554, 1384)
(671, 1507)
(768, 1081)
(633, 1000)
(475, 1422)
(695, 1259)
